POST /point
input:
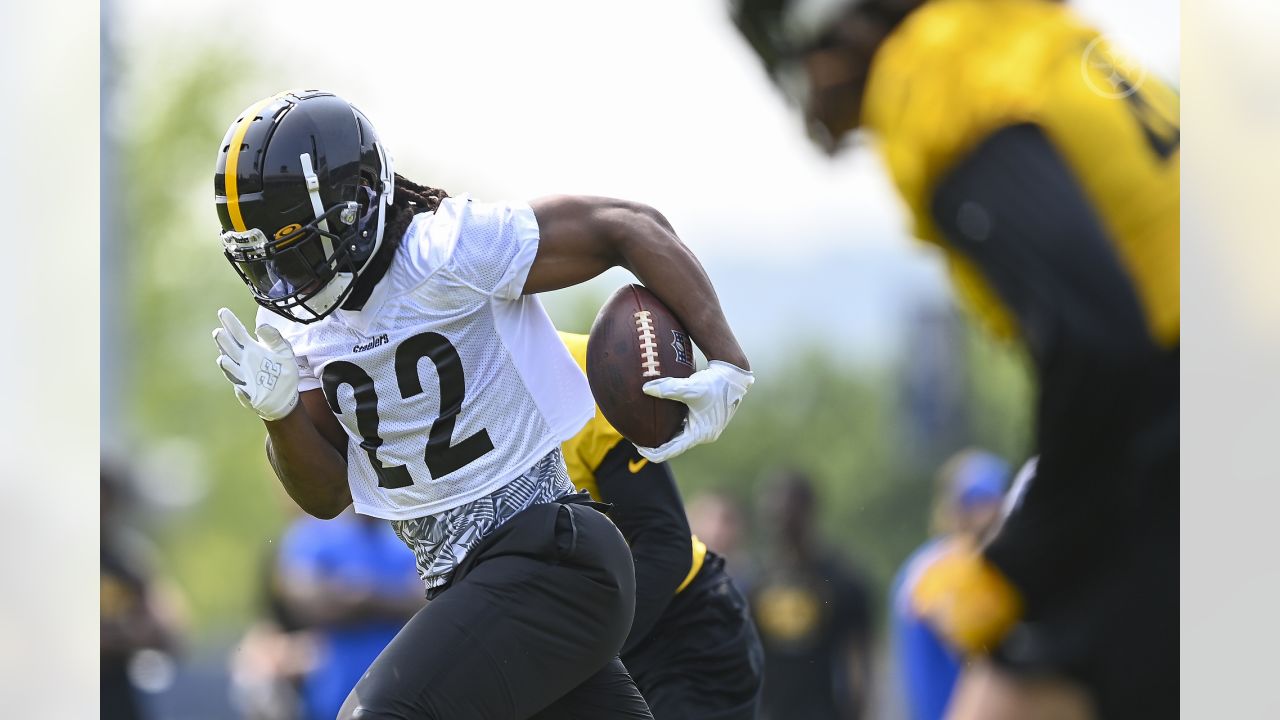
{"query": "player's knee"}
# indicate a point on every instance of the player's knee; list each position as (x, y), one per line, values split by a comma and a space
(366, 705)
(354, 709)
(360, 712)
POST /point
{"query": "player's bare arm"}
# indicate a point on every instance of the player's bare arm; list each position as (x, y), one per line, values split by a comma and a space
(582, 237)
(307, 450)
(306, 446)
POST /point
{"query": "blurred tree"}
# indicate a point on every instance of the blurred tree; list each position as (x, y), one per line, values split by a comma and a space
(845, 427)
(172, 280)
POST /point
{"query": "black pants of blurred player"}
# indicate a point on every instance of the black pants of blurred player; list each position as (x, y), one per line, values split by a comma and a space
(703, 659)
(1115, 626)
(529, 627)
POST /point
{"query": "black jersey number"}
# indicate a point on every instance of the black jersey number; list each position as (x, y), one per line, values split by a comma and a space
(1158, 126)
(441, 455)
(1154, 116)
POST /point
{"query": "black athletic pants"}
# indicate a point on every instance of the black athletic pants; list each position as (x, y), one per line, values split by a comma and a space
(703, 659)
(530, 627)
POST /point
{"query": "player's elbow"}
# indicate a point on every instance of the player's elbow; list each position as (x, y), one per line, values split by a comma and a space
(649, 214)
(322, 513)
(321, 504)
(625, 224)
(327, 510)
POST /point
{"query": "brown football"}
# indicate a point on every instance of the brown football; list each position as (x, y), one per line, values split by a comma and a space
(635, 339)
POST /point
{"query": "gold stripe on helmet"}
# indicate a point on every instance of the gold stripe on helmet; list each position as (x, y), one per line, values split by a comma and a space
(233, 160)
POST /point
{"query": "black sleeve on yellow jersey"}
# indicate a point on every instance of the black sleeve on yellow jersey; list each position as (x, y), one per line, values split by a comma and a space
(1014, 208)
(648, 510)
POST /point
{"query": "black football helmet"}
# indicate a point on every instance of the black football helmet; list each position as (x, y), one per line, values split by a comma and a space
(783, 32)
(303, 187)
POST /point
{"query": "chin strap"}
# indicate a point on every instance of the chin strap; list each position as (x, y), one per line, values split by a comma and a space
(387, 177)
(333, 291)
(387, 197)
(313, 189)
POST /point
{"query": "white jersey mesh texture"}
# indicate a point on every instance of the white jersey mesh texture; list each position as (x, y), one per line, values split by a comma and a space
(446, 337)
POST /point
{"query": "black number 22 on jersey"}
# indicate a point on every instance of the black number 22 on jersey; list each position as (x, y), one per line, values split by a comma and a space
(441, 455)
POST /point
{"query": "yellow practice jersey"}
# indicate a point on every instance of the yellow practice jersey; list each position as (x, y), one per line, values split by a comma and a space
(956, 71)
(584, 452)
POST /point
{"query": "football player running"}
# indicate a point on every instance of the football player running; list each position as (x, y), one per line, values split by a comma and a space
(693, 648)
(402, 363)
(1047, 170)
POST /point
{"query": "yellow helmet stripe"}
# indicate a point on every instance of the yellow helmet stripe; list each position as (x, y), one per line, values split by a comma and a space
(233, 161)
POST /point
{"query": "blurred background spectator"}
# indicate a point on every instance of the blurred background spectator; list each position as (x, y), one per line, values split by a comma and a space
(336, 594)
(141, 616)
(269, 663)
(813, 613)
(967, 504)
(716, 519)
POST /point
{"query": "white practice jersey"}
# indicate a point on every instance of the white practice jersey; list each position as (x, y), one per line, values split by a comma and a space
(450, 383)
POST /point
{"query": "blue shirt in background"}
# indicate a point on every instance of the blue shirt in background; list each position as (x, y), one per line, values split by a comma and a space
(359, 553)
(926, 667)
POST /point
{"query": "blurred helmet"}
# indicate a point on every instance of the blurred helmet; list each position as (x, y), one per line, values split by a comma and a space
(302, 187)
(783, 32)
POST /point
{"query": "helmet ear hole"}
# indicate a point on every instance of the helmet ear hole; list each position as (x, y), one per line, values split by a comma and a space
(366, 193)
(366, 205)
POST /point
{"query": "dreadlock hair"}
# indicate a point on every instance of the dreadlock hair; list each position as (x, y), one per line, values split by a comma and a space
(410, 199)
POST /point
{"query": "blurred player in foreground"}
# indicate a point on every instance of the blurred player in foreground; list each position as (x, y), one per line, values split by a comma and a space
(1047, 169)
(966, 507)
(693, 649)
(403, 363)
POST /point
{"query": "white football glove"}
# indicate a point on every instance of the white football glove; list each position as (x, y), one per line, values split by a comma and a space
(263, 370)
(712, 394)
